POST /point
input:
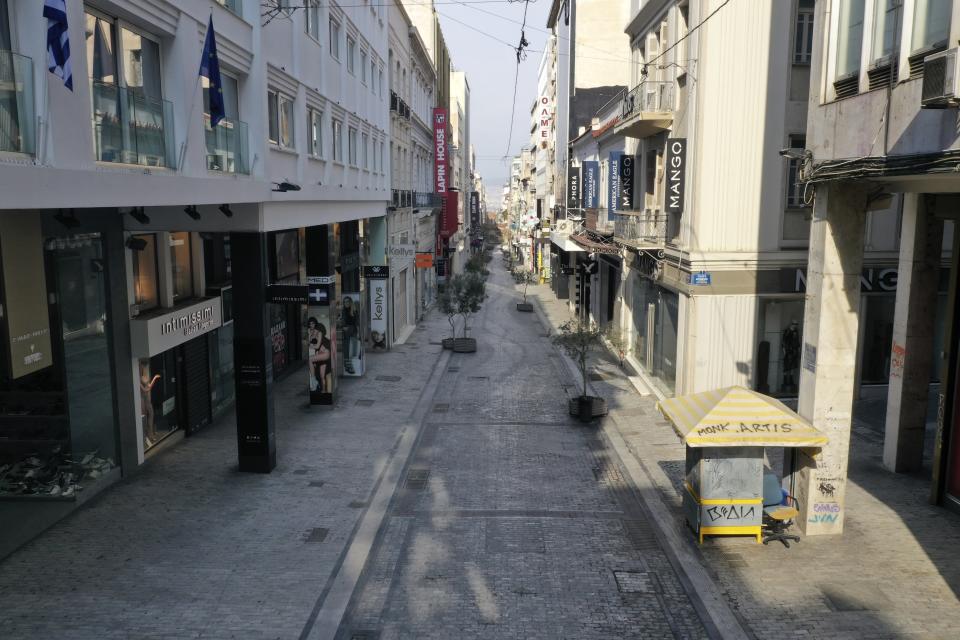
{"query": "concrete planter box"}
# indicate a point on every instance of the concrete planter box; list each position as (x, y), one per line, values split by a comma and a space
(447, 343)
(465, 345)
(586, 408)
(525, 307)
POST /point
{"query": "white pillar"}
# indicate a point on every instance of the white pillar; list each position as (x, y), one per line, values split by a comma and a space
(829, 352)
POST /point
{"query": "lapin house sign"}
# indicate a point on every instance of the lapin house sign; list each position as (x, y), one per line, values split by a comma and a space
(676, 170)
(440, 149)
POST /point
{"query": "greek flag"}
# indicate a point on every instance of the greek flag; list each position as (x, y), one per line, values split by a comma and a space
(58, 41)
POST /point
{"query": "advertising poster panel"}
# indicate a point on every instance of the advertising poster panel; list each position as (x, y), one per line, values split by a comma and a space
(321, 340)
(351, 313)
(377, 283)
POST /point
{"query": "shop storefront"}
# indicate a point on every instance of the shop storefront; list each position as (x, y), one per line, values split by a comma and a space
(653, 334)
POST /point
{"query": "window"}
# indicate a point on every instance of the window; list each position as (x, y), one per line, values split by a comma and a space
(334, 39)
(380, 81)
(365, 142)
(886, 29)
(351, 55)
(280, 116)
(795, 199)
(315, 127)
(375, 165)
(145, 273)
(373, 68)
(311, 15)
(181, 262)
(382, 168)
(363, 67)
(352, 146)
(850, 37)
(931, 24)
(803, 33)
(337, 141)
(232, 5)
(650, 180)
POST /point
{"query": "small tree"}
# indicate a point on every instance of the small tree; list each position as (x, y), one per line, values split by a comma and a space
(471, 292)
(578, 339)
(523, 277)
(618, 341)
(476, 265)
(447, 302)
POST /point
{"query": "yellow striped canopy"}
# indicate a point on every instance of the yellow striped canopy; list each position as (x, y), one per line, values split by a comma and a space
(738, 417)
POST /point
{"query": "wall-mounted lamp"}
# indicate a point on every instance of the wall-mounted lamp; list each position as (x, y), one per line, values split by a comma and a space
(286, 186)
(136, 244)
(191, 210)
(69, 221)
(138, 214)
(225, 210)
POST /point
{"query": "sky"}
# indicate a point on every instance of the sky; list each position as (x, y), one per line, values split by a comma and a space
(491, 66)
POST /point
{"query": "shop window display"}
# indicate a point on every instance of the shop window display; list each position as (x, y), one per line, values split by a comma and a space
(779, 348)
(145, 272)
(181, 261)
(158, 397)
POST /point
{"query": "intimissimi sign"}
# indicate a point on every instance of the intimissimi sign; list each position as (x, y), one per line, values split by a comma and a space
(440, 161)
(152, 335)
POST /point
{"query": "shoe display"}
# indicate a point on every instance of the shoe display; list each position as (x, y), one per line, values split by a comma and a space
(57, 474)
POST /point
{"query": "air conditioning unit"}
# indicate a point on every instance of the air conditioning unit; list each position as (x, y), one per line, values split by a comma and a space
(940, 88)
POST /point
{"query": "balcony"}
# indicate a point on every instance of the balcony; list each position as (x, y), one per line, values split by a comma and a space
(132, 128)
(647, 109)
(227, 146)
(16, 103)
(427, 200)
(398, 106)
(232, 5)
(402, 198)
(640, 229)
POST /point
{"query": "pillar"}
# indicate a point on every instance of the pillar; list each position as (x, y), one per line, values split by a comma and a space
(829, 352)
(921, 243)
(253, 361)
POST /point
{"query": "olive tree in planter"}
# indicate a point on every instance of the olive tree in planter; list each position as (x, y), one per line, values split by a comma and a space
(447, 303)
(476, 265)
(525, 278)
(471, 291)
(578, 339)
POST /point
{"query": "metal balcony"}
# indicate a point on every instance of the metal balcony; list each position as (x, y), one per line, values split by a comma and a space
(16, 103)
(640, 229)
(425, 200)
(132, 128)
(227, 146)
(647, 109)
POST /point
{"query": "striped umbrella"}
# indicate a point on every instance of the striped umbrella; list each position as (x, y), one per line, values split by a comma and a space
(738, 417)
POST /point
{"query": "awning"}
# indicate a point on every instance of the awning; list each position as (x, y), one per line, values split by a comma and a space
(592, 245)
(565, 243)
(738, 417)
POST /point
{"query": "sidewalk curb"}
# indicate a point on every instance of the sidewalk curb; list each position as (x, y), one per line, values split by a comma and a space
(707, 598)
(324, 622)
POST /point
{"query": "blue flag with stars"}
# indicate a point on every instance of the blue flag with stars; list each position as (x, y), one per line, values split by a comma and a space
(210, 69)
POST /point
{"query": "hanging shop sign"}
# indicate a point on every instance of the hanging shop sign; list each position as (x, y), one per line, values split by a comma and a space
(591, 184)
(449, 219)
(545, 117)
(627, 164)
(321, 279)
(441, 265)
(152, 335)
(23, 311)
(424, 260)
(376, 271)
(573, 187)
(379, 307)
(676, 174)
(287, 294)
(401, 252)
(440, 150)
(613, 184)
(474, 209)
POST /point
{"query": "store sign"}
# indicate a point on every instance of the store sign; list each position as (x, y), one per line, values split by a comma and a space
(379, 307)
(376, 271)
(591, 184)
(24, 307)
(440, 150)
(573, 187)
(153, 335)
(401, 252)
(287, 294)
(613, 184)
(676, 174)
(544, 116)
(449, 218)
(424, 260)
(474, 209)
(321, 279)
(872, 280)
(627, 164)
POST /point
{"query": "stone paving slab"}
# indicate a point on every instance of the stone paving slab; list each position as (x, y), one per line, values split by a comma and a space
(894, 573)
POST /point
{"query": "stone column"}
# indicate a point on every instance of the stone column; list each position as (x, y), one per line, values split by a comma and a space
(829, 352)
(921, 243)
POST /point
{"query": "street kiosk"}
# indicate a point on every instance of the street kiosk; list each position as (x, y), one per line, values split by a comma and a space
(725, 432)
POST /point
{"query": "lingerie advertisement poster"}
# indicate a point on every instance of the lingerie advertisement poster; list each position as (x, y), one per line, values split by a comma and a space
(321, 342)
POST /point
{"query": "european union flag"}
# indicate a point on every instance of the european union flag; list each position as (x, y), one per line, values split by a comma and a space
(210, 69)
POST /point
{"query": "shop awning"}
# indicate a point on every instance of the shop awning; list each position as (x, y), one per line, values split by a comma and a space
(738, 417)
(565, 243)
(592, 245)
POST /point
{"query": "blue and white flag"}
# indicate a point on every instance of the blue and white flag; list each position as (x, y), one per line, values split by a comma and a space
(58, 41)
(210, 69)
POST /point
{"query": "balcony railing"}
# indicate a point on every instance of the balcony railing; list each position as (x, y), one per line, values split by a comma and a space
(402, 198)
(16, 103)
(132, 128)
(647, 109)
(426, 200)
(227, 146)
(647, 228)
(232, 5)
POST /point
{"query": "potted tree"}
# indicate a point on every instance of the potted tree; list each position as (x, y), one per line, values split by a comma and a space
(447, 303)
(578, 339)
(471, 292)
(524, 278)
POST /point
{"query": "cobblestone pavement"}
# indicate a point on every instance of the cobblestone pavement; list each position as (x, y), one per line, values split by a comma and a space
(515, 521)
(894, 573)
(191, 548)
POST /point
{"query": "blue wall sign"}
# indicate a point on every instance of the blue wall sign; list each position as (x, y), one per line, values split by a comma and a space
(700, 279)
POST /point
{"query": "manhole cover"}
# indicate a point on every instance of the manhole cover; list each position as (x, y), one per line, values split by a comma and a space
(357, 504)
(318, 534)
(640, 535)
(388, 378)
(417, 479)
(478, 378)
(316, 483)
(364, 403)
(636, 582)
(453, 369)
(857, 596)
(441, 408)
